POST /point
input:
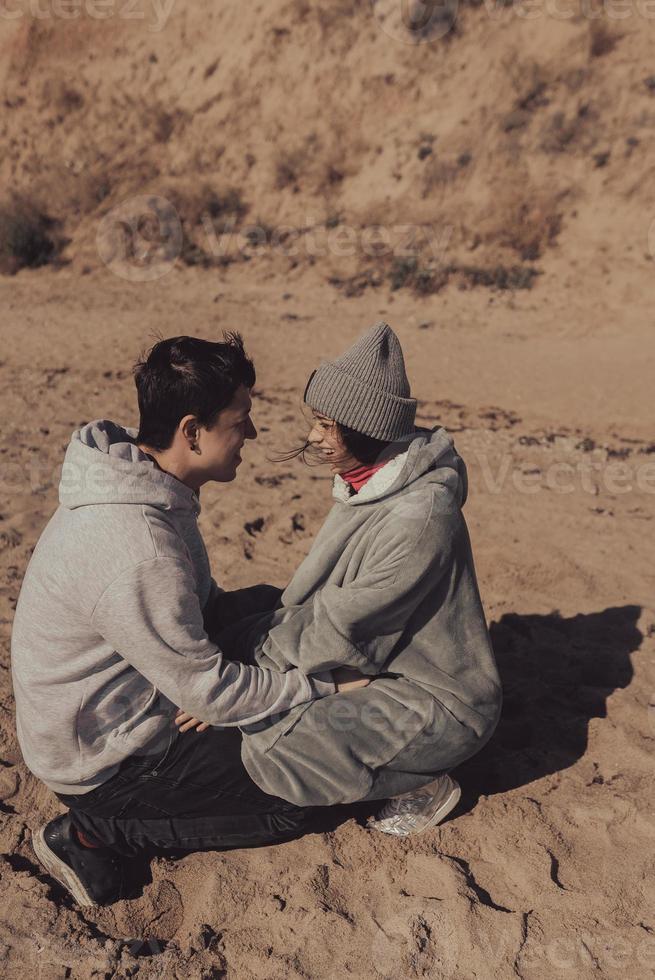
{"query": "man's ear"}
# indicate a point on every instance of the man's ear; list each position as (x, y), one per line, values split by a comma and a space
(189, 428)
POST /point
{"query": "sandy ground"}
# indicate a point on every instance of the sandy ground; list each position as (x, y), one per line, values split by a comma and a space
(545, 870)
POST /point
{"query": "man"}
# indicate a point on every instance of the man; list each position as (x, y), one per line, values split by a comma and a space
(112, 631)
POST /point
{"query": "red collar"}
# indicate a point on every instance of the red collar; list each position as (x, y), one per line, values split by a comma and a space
(360, 475)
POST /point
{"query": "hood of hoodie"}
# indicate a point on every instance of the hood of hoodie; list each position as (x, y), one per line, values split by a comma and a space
(430, 457)
(103, 465)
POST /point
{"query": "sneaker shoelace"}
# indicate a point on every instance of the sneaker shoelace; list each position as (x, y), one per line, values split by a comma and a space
(406, 804)
(409, 813)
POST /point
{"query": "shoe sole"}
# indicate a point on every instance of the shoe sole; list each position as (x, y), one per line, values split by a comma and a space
(59, 870)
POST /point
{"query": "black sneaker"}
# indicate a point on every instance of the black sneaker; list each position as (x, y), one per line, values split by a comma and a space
(93, 875)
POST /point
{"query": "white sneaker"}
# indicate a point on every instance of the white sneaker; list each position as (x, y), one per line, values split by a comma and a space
(414, 812)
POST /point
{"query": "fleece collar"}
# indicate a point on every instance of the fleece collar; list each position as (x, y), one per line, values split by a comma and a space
(429, 456)
(379, 483)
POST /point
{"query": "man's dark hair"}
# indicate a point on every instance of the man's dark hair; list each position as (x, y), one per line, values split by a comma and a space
(187, 376)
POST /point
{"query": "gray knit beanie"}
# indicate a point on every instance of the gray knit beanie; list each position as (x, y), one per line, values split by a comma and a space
(367, 387)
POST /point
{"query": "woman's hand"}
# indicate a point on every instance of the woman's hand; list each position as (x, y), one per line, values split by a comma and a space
(349, 679)
(185, 722)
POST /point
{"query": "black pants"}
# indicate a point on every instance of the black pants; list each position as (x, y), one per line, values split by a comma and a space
(195, 795)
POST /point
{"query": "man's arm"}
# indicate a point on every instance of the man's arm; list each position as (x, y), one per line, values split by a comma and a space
(151, 616)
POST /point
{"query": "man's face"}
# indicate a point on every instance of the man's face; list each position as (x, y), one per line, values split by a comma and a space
(220, 447)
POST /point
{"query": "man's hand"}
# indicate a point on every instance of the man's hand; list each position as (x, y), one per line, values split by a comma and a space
(185, 722)
(349, 679)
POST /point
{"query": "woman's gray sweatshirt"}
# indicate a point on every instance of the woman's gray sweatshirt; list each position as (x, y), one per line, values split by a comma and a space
(388, 587)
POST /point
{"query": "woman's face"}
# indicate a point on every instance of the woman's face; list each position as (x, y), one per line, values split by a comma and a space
(325, 439)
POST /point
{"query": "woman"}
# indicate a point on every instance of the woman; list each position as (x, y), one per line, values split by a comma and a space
(389, 589)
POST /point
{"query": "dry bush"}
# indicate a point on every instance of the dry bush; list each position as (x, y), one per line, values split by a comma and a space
(357, 284)
(425, 280)
(63, 97)
(408, 271)
(529, 80)
(225, 208)
(206, 215)
(339, 14)
(88, 191)
(496, 277)
(602, 39)
(287, 169)
(311, 160)
(440, 172)
(228, 203)
(163, 125)
(162, 122)
(561, 133)
(529, 226)
(28, 236)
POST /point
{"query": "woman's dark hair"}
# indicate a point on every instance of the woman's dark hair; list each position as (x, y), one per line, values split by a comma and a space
(365, 449)
(187, 376)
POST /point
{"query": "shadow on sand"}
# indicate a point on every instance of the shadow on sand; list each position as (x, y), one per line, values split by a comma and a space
(557, 674)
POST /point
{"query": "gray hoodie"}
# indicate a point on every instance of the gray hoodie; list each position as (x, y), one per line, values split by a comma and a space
(389, 588)
(109, 636)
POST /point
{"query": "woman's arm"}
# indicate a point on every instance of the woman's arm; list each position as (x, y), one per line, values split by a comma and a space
(359, 624)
